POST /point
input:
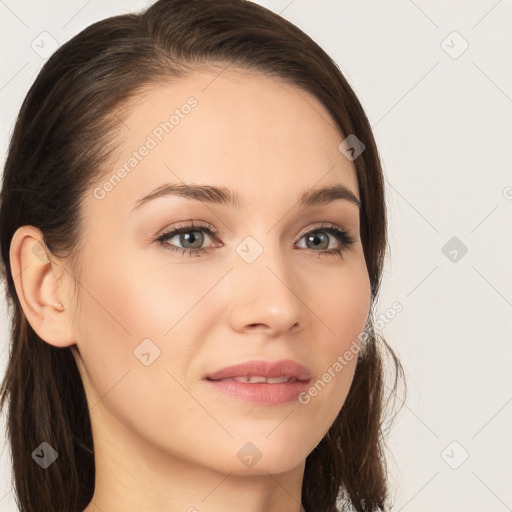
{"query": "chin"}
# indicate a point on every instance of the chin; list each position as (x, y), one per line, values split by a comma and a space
(273, 466)
(263, 456)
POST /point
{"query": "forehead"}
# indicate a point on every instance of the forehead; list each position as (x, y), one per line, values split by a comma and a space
(257, 134)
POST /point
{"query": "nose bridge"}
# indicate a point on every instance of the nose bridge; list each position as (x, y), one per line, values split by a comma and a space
(264, 254)
(265, 288)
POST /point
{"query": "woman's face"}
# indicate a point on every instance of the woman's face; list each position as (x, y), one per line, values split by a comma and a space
(157, 318)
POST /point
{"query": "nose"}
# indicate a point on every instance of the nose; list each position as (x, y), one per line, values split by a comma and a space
(265, 294)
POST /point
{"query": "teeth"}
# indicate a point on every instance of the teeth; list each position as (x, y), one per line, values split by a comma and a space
(276, 380)
(257, 379)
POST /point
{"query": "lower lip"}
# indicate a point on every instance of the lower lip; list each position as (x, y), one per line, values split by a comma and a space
(265, 394)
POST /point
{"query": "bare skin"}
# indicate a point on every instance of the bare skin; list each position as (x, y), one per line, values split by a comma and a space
(164, 440)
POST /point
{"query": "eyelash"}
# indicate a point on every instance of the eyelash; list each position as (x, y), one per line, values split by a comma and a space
(345, 239)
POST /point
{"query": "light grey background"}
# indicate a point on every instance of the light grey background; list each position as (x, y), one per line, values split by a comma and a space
(442, 119)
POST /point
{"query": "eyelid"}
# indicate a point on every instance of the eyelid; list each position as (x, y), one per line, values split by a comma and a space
(320, 225)
(209, 227)
(345, 239)
(189, 225)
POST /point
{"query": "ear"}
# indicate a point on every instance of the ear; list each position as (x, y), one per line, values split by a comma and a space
(36, 282)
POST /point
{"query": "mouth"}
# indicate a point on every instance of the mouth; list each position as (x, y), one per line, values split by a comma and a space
(259, 371)
(263, 382)
(259, 379)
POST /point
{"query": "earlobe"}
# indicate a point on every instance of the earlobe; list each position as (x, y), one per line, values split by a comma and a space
(36, 283)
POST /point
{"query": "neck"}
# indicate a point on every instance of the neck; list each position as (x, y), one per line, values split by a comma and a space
(147, 478)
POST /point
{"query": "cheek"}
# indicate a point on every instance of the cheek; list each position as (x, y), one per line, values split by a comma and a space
(118, 312)
(124, 317)
(342, 304)
(132, 309)
(131, 301)
(342, 307)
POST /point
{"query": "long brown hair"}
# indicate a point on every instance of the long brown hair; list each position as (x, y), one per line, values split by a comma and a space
(59, 149)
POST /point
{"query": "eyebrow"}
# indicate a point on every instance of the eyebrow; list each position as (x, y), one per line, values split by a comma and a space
(226, 196)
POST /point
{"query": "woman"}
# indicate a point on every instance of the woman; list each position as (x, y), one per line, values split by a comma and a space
(193, 230)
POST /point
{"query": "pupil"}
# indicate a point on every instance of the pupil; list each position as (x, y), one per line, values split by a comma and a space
(317, 239)
(191, 238)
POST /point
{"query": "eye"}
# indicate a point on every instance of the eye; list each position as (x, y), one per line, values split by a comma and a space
(319, 237)
(191, 237)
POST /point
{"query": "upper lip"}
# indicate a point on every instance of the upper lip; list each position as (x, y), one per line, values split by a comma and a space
(269, 369)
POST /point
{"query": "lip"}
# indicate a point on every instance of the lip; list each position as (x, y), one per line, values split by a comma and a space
(262, 393)
(285, 367)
